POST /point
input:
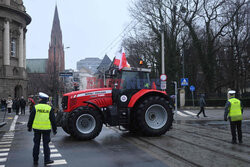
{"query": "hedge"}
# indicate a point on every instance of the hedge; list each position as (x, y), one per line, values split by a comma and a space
(216, 102)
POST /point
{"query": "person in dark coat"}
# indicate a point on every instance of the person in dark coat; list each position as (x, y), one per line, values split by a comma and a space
(14, 105)
(202, 105)
(22, 105)
(17, 105)
(31, 103)
(3, 104)
(42, 120)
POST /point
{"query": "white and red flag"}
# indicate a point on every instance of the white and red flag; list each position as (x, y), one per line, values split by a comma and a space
(120, 60)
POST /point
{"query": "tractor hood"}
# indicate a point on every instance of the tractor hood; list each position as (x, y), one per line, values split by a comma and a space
(88, 92)
(102, 97)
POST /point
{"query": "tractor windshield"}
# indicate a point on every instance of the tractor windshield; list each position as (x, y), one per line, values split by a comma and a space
(135, 80)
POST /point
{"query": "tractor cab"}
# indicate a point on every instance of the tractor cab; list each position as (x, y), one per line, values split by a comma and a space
(129, 81)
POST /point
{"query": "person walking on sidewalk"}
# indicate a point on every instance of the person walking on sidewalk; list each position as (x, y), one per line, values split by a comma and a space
(9, 104)
(22, 104)
(14, 105)
(42, 120)
(234, 110)
(17, 106)
(202, 105)
(3, 104)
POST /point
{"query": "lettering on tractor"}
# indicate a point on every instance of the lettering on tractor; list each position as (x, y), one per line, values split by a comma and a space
(136, 106)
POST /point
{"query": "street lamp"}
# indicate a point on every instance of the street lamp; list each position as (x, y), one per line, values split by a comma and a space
(162, 28)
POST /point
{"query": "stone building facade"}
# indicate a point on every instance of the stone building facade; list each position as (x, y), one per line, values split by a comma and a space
(13, 23)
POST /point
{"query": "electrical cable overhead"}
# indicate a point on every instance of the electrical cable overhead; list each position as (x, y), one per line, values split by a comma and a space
(114, 42)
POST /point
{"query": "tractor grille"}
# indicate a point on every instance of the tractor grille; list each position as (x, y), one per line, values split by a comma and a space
(65, 102)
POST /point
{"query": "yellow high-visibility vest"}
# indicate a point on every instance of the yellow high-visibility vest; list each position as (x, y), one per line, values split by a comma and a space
(42, 121)
(235, 110)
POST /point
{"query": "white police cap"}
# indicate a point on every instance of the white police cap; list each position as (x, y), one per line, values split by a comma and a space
(43, 95)
(231, 91)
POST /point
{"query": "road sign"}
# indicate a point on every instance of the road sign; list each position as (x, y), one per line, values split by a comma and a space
(163, 77)
(192, 88)
(184, 81)
(66, 74)
(163, 85)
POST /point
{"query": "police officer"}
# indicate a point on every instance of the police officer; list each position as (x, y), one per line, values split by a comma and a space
(234, 110)
(42, 119)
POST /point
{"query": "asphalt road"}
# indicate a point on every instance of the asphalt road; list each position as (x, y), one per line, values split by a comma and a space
(192, 142)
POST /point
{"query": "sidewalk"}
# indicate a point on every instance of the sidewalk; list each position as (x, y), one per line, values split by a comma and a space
(212, 113)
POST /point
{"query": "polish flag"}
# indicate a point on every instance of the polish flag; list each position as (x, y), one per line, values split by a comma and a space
(120, 60)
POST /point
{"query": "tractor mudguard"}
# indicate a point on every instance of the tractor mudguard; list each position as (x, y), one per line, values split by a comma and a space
(98, 109)
(143, 93)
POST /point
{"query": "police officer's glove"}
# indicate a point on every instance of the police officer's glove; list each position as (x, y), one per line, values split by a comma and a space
(29, 129)
(225, 119)
(54, 132)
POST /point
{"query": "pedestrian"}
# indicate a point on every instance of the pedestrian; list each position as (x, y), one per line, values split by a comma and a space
(42, 119)
(3, 104)
(234, 111)
(9, 104)
(17, 105)
(31, 103)
(14, 105)
(202, 105)
(22, 105)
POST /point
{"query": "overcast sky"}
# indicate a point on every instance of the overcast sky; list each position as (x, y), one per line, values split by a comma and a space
(89, 27)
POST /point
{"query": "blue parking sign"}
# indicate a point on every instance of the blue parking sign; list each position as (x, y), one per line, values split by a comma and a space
(184, 81)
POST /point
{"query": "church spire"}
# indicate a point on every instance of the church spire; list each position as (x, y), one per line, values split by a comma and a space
(56, 33)
(56, 49)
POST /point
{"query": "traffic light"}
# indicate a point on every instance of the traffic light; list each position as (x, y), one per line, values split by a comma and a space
(141, 62)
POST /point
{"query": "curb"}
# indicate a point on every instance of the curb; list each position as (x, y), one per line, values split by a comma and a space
(2, 124)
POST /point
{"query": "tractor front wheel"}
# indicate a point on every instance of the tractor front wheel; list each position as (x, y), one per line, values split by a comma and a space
(65, 125)
(154, 116)
(85, 123)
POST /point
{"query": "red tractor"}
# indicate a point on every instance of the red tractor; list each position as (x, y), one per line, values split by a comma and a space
(133, 104)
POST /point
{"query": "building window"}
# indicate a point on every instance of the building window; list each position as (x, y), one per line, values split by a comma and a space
(13, 47)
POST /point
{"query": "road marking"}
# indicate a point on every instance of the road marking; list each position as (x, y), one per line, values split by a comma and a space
(4, 149)
(50, 146)
(55, 155)
(5, 142)
(8, 135)
(51, 150)
(6, 145)
(12, 127)
(3, 154)
(182, 114)
(58, 162)
(189, 112)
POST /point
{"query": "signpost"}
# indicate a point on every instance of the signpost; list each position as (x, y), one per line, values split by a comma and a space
(66, 74)
(163, 79)
(192, 89)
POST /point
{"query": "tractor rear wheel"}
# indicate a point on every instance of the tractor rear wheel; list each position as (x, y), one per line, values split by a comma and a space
(85, 123)
(154, 116)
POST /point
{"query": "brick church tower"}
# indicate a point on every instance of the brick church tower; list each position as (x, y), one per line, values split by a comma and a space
(56, 60)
